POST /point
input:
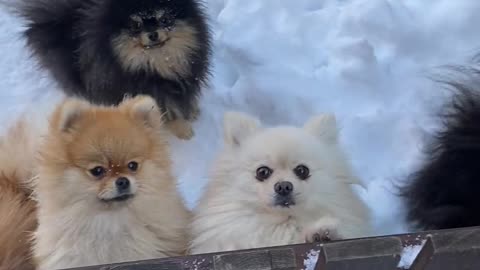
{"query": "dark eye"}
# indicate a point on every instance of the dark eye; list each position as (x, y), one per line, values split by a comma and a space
(133, 166)
(136, 25)
(302, 172)
(98, 171)
(263, 173)
(166, 21)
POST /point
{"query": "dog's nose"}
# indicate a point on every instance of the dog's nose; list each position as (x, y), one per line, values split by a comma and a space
(283, 188)
(122, 184)
(153, 36)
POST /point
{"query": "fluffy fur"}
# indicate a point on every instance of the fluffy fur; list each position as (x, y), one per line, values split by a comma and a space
(239, 211)
(17, 209)
(445, 190)
(102, 50)
(87, 214)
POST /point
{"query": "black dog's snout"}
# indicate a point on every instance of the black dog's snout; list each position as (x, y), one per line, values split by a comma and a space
(122, 184)
(153, 36)
(283, 188)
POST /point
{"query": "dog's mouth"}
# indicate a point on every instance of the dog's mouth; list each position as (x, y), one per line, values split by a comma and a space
(119, 198)
(158, 44)
(284, 202)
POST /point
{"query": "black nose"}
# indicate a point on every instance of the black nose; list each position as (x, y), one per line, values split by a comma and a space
(122, 183)
(153, 36)
(283, 188)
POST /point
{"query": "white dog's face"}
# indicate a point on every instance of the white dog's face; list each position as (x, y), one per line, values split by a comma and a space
(283, 168)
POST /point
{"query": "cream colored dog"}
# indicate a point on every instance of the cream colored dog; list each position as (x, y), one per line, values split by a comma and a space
(278, 186)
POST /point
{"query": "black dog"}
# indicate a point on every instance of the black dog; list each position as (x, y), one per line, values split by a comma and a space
(445, 192)
(102, 50)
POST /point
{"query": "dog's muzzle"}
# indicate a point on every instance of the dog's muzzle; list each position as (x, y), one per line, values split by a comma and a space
(123, 190)
(284, 201)
(284, 194)
(154, 40)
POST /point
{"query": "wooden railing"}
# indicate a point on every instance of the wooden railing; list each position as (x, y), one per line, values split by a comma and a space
(456, 249)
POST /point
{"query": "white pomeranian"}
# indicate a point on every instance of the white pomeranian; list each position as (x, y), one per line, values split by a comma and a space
(278, 186)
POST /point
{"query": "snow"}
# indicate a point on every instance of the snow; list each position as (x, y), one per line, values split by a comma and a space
(311, 261)
(409, 254)
(367, 61)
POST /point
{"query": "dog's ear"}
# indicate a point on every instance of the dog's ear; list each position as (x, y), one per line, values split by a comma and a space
(67, 114)
(144, 109)
(238, 126)
(324, 127)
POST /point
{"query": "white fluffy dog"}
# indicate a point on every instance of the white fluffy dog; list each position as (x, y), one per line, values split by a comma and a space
(278, 186)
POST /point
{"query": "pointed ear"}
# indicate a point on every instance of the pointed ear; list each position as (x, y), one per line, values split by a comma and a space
(68, 113)
(324, 127)
(238, 126)
(144, 109)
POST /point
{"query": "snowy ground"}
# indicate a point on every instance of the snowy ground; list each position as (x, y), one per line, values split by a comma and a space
(368, 61)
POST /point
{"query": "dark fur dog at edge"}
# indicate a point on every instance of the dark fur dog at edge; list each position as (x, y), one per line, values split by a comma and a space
(102, 50)
(445, 191)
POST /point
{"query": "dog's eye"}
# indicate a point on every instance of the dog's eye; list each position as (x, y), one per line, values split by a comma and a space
(133, 166)
(98, 171)
(302, 172)
(166, 20)
(136, 25)
(263, 173)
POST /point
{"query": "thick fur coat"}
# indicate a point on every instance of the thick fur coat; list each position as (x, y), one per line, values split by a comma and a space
(278, 186)
(17, 209)
(105, 189)
(444, 192)
(102, 50)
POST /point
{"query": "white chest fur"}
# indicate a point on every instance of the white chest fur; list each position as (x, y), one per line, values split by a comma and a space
(243, 230)
(65, 241)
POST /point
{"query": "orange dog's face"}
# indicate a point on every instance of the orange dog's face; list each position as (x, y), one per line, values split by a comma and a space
(106, 154)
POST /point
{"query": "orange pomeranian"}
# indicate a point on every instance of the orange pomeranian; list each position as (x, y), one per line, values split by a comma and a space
(105, 189)
(17, 209)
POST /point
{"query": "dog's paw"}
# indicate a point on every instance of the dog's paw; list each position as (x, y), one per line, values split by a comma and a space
(323, 235)
(324, 230)
(181, 128)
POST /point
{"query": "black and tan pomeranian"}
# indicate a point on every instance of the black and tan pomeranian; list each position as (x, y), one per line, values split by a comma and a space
(445, 191)
(102, 50)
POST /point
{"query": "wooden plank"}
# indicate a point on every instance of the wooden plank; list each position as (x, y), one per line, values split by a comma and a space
(424, 256)
(200, 262)
(168, 264)
(372, 254)
(309, 257)
(457, 249)
(283, 259)
(252, 260)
